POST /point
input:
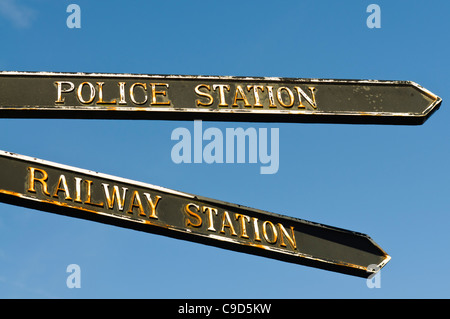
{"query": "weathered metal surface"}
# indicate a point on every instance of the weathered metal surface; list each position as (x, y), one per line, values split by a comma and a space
(176, 97)
(79, 193)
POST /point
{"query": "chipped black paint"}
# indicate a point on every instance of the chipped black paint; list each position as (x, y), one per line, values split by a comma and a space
(79, 193)
(214, 98)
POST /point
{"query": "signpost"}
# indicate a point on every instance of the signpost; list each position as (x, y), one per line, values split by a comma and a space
(79, 193)
(250, 99)
(74, 192)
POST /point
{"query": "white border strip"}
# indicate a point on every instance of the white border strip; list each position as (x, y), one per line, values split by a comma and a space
(96, 174)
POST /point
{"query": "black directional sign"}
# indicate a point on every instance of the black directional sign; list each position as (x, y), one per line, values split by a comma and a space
(222, 98)
(79, 193)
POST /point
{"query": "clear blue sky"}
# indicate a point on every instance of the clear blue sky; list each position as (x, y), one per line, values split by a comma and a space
(390, 182)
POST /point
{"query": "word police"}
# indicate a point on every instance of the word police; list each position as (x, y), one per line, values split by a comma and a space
(158, 94)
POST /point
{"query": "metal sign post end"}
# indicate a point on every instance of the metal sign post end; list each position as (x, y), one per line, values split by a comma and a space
(373, 269)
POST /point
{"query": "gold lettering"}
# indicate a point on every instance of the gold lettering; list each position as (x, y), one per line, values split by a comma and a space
(144, 86)
(301, 93)
(271, 98)
(222, 92)
(256, 94)
(136, 198)
(60, 89)
(243, 219)
(274, 232)
(154, 92)
(115, 195)
(122, 93)
(243, 97)
(64, 188)
(280, 96)
(198, 220)
(256, 228)
(209, 96)
(210, 215)
(226, 222)
(290, 238)
(100, 95)
(152, 205)
(78, 189)
(89, 195)
(91, 93)
(42, 180)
